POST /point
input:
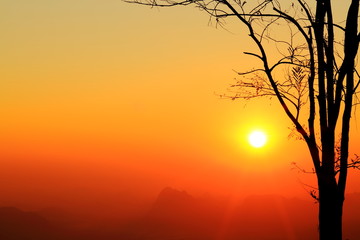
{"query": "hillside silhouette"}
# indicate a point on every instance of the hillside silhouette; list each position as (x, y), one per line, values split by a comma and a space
(16, 224)
(176, 215)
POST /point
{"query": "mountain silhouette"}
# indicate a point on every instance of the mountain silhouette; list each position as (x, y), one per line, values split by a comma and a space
(16, 224)
(176, 214)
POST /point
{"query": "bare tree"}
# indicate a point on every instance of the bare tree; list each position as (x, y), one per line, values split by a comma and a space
(318, 91)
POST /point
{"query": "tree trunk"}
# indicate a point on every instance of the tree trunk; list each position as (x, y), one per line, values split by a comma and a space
(330, 209)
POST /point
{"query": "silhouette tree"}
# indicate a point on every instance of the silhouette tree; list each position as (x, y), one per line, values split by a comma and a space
(318, 91)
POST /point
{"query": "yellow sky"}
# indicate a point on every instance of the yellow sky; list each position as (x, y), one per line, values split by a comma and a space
(132, 92)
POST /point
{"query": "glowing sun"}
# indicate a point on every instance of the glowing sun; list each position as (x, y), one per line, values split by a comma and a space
(257, 139)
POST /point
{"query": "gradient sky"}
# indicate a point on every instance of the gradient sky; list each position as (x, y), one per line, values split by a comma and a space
(105, 102)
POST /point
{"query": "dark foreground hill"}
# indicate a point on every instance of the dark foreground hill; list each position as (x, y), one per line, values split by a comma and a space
(16, 224)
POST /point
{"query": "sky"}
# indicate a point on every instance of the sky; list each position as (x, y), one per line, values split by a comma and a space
(104, 102)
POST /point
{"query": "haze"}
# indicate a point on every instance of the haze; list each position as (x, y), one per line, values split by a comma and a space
(105, 104)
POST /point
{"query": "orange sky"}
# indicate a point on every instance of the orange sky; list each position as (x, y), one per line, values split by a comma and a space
(102, 99)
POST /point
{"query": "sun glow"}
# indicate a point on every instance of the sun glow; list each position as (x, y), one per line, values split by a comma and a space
(257, 139)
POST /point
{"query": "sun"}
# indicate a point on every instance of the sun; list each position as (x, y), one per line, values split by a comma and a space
(257, 139)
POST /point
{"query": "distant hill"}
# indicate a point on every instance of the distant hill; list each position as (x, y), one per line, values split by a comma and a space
(16, 224)
(272, 217)
(178, 215)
